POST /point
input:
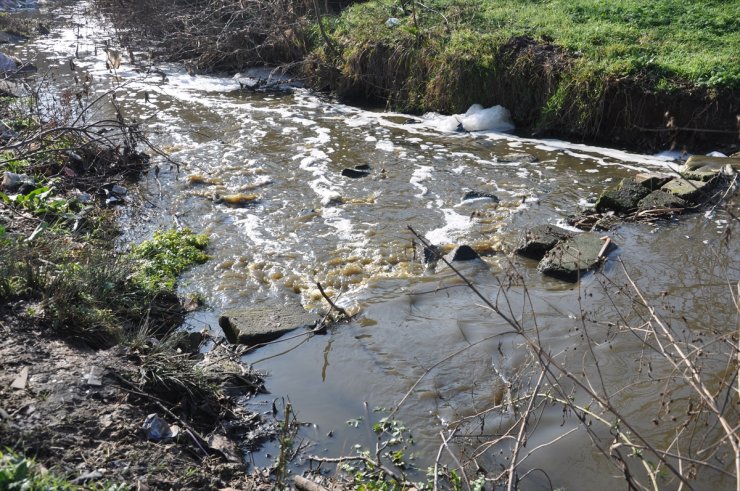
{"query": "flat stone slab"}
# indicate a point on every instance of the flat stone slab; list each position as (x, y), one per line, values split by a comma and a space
(264, 323)
(688, 189)
(704, 168)
(653, 180)
(573, 257)
(623, 197)
(540, 239)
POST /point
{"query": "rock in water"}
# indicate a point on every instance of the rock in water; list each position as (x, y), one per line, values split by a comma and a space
(8, 63)
(573, 257)
(464, 253)
(653, 180)
(355, 173)
(540, 239)
(470, 195)
(521, 158)
(705, 168)
(660, 200)
(622, 198)
(261, 324)
(689, 190)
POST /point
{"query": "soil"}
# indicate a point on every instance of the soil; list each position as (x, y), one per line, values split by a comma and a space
(90, 432)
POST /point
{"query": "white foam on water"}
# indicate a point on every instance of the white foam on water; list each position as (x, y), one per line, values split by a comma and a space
(421, 174)
(250, 226)
(385, 145)
(455, 226)
(342, 225)
(303, 121)
(476, 118)
(322, 137)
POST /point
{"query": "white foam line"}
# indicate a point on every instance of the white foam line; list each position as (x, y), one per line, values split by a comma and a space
(421, 174)
(360, 118)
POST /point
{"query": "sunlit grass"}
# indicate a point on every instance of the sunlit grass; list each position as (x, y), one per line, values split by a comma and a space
(692, 40)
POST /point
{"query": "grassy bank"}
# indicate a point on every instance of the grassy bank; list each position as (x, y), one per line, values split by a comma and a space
(643, 75)
(625, 73)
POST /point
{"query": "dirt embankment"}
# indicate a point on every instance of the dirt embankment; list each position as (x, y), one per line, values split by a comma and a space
(79, 412)
(96, 383)
(547, 90)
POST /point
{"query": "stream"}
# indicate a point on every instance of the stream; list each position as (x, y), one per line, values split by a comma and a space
(420, 341)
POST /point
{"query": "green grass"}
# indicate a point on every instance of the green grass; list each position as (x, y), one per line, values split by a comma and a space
(689, 40)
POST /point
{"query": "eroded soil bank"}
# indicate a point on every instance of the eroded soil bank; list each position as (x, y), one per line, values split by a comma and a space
(444, 57)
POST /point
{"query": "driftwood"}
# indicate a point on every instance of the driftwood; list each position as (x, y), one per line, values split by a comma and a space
(303, 484)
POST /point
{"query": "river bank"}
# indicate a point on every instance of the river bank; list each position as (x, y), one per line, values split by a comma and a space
(294, 189)
(645, 78)
(98, 390)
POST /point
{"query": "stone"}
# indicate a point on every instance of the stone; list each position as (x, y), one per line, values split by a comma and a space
(621, 198)
(9, 88)
(95, 376)
(521, 158)
(653, 180)
(470, 195)
(660, 199)
(573, 257)
(8, 63)
(189, 342)
(538, 240)
(19, 383)
(13, 182)
(464, 253)
(264, 323)
(430, 254)
(236, 200)
(355, 173)
(688, 189)
(8, 37)
(706, 168)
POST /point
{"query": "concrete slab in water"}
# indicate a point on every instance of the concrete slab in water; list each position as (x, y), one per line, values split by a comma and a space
(571, 258)
(264, 323)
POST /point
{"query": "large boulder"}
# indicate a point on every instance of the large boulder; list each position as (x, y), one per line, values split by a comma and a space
(622, 198)
(573, 257)
(264, 323)
(539, 239)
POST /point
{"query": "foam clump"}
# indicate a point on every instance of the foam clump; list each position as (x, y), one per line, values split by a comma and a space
(476, 118)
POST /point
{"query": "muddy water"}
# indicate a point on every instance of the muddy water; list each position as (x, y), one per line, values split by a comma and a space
(421, 342)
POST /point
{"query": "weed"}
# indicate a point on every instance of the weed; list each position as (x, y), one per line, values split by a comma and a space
(166, 256)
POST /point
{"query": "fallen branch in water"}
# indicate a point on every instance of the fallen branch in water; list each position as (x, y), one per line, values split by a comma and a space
(333, 305)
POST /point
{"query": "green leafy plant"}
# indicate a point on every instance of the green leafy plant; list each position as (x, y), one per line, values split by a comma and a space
(165, 256)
